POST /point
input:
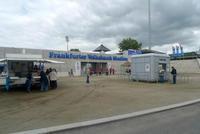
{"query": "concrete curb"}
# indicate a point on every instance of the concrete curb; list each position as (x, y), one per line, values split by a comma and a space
(106, 120)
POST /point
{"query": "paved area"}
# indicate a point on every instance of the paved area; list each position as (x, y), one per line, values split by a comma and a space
(183, 120)
(76, 101)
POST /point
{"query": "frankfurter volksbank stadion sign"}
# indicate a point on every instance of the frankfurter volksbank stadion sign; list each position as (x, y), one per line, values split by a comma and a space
(84, 57)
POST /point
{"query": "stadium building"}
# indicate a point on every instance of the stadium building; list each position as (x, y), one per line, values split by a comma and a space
(76, 61)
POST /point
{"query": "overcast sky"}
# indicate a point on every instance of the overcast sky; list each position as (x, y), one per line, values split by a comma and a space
(88, 23)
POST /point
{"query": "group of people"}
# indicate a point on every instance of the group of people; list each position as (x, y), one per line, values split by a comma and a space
(46, 78)
(100, 71)
(110, 71)
(128, 71)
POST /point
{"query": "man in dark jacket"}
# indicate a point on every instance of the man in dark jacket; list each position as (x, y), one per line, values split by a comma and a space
(43, 81)
(173, 72)
(29, 81)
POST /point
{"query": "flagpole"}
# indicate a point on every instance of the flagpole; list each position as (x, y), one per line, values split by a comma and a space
(67, 40)
(149, 16)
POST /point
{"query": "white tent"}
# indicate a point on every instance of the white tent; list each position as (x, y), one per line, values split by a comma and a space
(27, 57)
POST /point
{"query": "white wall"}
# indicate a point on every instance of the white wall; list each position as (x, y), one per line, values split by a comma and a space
(186, 66)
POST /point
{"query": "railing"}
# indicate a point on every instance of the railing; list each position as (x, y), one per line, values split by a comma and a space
(181, 78)
(185, 57)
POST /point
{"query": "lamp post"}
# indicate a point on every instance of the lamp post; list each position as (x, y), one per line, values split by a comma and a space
(67, 40)
(149, 16)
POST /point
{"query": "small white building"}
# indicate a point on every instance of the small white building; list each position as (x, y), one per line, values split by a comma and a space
(198, 52)
(150, 67)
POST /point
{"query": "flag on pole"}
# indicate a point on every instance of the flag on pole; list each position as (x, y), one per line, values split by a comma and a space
(173, 51)
(177, 51)
(181, 47)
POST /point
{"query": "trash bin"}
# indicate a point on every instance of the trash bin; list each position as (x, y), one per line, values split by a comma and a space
(162, 78)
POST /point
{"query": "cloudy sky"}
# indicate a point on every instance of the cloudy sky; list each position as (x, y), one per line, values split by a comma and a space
(88, 23)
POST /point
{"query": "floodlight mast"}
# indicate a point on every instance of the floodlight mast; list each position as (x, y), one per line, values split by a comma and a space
(149, 16)
(67, 40)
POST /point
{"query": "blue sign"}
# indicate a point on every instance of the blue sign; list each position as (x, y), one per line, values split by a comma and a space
(95, 57)
(177, 51)
(120, 58)
(134, 52)
(90, 56)
(66, 56)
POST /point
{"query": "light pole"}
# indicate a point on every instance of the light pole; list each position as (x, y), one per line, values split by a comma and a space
(67, 40)
(149, 16)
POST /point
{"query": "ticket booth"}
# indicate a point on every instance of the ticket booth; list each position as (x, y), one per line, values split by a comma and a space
(150, 67)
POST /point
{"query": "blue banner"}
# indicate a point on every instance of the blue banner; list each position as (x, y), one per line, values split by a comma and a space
(5, 68)
(182, 53)
(134, 52)
(177, 51)
(173, 52)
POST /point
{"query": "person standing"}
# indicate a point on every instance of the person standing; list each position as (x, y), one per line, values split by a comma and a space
(110, 70)
(107, 71)
(48, 71)
(43, 81)
(87, 77)
(113, 71)
(173, 72)
(48, 76)
(53, 78)
(97, 71)
(100, 71)
(90, 70)
(72, 73)
(7, 83)
(129, 71)
(29, 81)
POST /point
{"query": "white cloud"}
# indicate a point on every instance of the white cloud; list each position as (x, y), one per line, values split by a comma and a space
(44, 24)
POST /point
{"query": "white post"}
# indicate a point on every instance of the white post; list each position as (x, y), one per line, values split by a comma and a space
(67, 46)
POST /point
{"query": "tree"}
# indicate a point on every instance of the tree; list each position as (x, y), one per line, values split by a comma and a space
(129, 43)
(75, 50)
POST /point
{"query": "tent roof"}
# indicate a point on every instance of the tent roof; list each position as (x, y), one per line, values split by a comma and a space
(27, 57)
(102, 48)
(30, 59)
(146, 51)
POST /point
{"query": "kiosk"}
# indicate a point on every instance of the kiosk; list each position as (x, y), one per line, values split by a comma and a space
(150, 67)
(18, 65)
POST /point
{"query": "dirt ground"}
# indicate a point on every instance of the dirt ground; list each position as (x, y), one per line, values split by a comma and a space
(75, 101)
